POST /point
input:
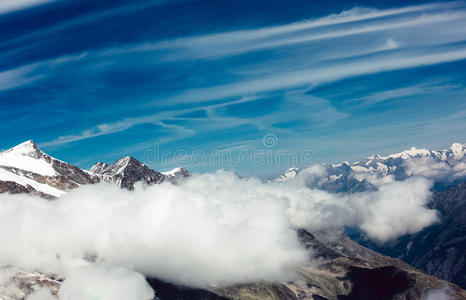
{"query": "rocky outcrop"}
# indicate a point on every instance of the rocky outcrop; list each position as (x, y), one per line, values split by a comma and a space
(19, 284)
(13, 187)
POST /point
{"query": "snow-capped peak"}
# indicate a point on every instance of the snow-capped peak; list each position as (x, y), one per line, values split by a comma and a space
(27, 156)
(124, 160)
(29, 169)
(345, 163)
(28, 148)
(99, 167)
(25, 168)
(176, 173)
(172, 172)
(344, 176)
(289, 174)
(119, 167)
(413, 152)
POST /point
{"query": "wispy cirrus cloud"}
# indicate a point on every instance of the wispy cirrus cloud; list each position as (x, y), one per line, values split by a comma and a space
(191, 84)
(352, 22)
(17, 77)
(393, 51)
(158, 119)
(10, 5)
(7, 6)
(416, 90)
(312, 77)
(30, 74)
(316, 111)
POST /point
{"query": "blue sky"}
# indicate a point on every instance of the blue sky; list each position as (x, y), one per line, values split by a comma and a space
(177, 82)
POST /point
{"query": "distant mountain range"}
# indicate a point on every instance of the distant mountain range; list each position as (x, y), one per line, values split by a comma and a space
(444, 167)
(27, 169)
(439, 249)
(347, 270)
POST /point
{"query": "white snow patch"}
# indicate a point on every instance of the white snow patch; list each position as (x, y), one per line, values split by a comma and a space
(413, 152)
(22, 157)
(24, 181)
(172, 172)
(288, 175)
(27, 163)
(359, 169)
(382, 168)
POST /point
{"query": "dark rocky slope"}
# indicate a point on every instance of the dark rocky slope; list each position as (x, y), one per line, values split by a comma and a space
(440, 249)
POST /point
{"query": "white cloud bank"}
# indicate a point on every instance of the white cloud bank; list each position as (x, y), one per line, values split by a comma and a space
(212, 229)
(105, 283)
(382, 215)
(99, 282)
(42, 294)
(444, 293)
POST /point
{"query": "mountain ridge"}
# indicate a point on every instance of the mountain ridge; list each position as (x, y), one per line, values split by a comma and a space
(25, 168)
(445, 167)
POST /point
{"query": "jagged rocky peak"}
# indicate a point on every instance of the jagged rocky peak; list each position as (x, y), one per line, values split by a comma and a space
(126, 171)
(119, 166)
(128, 162)
(99, 168)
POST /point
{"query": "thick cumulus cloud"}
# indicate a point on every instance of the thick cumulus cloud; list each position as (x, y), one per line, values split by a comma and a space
(382, 215)
(388, 212)
(444, 293)
(210, 229)
(42, 294)
(436, 170)
(99, 282)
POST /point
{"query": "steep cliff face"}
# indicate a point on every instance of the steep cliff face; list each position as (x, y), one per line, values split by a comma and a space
(441, 249)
